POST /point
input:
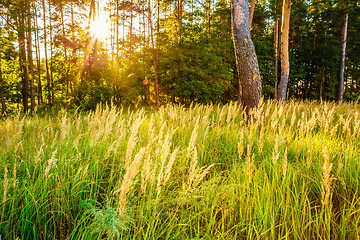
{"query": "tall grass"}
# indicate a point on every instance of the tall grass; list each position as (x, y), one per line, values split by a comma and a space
(203, 172)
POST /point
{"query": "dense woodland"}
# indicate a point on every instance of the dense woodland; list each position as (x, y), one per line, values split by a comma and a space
(51, 58)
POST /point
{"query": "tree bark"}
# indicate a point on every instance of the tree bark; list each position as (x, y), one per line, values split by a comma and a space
(46, 56)
(284, 51)
(38, 64)
(22, 60)
(65, 49)
(51, 54)
(251, 14)
(154, 57)
(2, 90)
(276, 48)
(246, 59)
(340, 96)
(30, 57)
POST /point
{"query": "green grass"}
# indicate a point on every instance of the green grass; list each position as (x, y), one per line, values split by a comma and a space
(201, 172)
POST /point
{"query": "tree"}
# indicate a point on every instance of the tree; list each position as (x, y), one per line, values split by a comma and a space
(276, 46)
(46, 56)
(251, 14)
(2, 99)
(246, 59)
(30, 57)
(284, 51)
(340, 95)
(22, 59)
(2, 89)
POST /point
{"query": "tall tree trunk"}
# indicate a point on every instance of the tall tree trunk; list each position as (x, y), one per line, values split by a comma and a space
(51, 54)
(246, 59)
(117, 33)
(112, 28)
(131, 26)
(46, 56)
(323, 69)
(179, 18)
(276, 48)
(340, 96)
(22, 60)
(72, 31)
(30, 57)
(154, 56)
(2, 89)
(284, 51)
(37, 50)
(251, 14)
(65, 50)
(63, 28)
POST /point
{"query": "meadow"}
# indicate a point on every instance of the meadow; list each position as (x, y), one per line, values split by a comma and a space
(201, 172)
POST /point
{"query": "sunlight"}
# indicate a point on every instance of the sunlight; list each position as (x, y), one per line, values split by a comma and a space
(100, 28)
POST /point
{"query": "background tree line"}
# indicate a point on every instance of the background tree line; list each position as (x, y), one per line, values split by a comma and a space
(48, 58)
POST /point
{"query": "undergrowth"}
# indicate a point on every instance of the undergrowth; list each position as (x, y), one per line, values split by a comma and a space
(203, 172)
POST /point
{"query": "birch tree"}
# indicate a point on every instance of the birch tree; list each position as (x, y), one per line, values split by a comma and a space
(340, 95)
(284, 51)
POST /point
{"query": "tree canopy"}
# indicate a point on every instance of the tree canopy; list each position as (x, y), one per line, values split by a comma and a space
(73, 53)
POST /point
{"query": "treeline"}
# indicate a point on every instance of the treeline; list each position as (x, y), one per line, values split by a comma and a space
(48, 58)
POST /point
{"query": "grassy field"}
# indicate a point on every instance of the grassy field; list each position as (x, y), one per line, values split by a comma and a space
(201, 172)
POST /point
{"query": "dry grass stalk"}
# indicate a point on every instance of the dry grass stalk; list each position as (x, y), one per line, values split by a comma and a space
(327, 179)
(249, 164)
(165, 150)
(132, 140)
(293, 118)
(285, 163)
(64, 126)
(309, 155)
(51, 162)
(200, 175)
(6, 183)
(169, 166)
(146, 169)
(356, 133)
(128, 180)
(221, 116)
(193, 168)
(193, 139)
(229, 115)
(196, 175)
(274, 124)
(14, 174)
(338, 174)
(40, 151)
(241, 144)
(261, 138)
(164, 177)
(275, 155)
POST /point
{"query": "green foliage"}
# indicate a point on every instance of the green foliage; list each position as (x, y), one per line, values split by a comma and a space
(192, 45)
(194, 74)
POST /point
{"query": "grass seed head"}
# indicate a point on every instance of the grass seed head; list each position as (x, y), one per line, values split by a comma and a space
(285, 163)
(128, 180)
(6, 183)
(327, 179)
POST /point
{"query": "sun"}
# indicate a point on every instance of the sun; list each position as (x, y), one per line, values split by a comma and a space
(100, 27)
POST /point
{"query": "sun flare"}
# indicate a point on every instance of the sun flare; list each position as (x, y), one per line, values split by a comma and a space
(100, 28)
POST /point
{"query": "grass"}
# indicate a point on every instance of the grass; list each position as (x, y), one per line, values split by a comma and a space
(203, 172)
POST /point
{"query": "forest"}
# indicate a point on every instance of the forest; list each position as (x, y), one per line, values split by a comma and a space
(69, 54)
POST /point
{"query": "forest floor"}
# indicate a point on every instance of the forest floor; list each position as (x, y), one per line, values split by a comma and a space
(201, 172)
